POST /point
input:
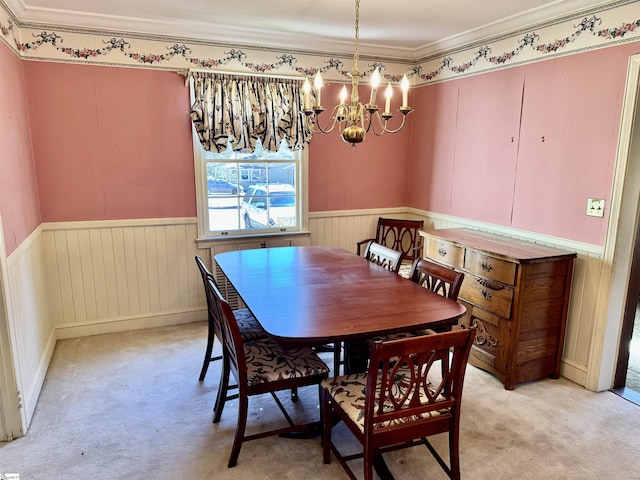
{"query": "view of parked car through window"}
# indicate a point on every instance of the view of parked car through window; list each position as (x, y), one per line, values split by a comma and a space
(271, 205)
(251, 192)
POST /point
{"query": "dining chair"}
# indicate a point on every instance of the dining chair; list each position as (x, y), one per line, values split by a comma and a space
(384, 256)
(398, 234)
(259, 366)
(249, 327)
(439, 279)
(402, 400)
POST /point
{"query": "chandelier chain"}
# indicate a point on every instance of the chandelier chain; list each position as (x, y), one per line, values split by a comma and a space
(356, 54)
(354, 118)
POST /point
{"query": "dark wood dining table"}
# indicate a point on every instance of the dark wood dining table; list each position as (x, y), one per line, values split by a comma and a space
(315, 295)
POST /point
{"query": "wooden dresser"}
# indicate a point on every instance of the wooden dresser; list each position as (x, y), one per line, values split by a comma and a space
(516, 293)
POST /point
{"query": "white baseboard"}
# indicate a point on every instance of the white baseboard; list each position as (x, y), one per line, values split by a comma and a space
(574, 372)
(124, 324)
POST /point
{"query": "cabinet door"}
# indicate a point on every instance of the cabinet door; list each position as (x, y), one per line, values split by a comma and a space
(492, 343)
(487, 145)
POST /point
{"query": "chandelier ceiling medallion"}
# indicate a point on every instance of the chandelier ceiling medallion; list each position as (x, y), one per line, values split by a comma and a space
(355, 119)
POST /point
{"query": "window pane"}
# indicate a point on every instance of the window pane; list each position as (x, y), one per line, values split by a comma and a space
(270, 205)
(252, 192)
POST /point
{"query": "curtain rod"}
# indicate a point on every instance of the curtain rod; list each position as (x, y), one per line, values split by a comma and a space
(187, 74)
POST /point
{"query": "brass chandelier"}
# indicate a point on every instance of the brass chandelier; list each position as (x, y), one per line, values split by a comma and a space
(355, 119)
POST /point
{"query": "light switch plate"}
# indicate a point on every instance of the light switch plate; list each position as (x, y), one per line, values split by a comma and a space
(595, 207)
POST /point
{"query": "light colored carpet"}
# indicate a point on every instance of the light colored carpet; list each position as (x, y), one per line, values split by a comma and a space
(129, 406)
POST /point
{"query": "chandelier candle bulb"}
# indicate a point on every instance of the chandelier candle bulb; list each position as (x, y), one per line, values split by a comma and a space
(375, 81)
(306, 88)
(342, 110)
(343, 94)
(404, 84)
(388, 94)
(317, 83)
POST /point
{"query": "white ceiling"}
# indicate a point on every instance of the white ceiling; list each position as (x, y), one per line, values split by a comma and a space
(406, 29)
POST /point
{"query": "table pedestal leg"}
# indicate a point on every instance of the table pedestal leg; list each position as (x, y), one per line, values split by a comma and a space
(356, 356)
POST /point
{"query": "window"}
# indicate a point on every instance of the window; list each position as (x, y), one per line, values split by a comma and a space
(248, 180)
(243, 194)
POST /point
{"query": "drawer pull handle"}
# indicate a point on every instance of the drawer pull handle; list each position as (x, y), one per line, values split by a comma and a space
(486, 294)
(486, 266)
(442, 252)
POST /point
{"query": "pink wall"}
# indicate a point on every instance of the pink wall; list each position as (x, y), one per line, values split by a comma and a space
(18, 193)
(433, 146)
(467, 165)
(576, 160)
(485, 158)
(110, 143)
(115, 143)
(371, 175)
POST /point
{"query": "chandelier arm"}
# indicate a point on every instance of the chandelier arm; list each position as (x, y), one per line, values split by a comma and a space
(355, 119)
(383, 123)
(331, 123)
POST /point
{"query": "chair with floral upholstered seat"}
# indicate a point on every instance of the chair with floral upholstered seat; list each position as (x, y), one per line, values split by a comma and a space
(437, 278)
(401, 235)
(404, 398)
(259, 366)
(250, 328)
(385, 257)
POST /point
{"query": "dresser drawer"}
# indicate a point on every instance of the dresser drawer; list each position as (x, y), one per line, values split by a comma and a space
(445, 252)
(492, 296)
(489, 267)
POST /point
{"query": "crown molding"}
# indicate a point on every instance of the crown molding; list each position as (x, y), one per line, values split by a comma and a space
(65, 20)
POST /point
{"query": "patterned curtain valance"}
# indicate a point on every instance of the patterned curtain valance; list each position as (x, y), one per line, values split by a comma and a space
(245, 109)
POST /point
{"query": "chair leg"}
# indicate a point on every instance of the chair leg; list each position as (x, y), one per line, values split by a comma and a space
(243, 405)
(223, 388)
(454, 453)
(325, 417)
(337, 350)
(367, 460)
(207, 355)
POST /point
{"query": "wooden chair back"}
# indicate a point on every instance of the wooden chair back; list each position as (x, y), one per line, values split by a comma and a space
(442, 280)
(384, 256)
(398, 234)
(231, 338)
(414, 395)
(213, 327)
(205, 274)
(412, 391)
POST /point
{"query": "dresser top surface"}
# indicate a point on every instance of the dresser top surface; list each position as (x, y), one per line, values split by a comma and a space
(516, 250)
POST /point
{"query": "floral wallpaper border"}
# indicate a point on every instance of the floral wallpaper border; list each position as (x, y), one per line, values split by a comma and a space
(617, 23)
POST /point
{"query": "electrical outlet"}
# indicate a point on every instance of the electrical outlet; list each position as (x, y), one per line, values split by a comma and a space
(595, 207)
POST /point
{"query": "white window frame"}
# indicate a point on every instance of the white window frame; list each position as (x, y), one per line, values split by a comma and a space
(202, 210)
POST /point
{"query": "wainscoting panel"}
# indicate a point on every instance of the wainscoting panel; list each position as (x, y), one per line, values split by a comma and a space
(85, 278)
(346, 228)
(32, 327)
(139, 274)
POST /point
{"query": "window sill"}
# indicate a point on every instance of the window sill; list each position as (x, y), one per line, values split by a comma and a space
(204, 242)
